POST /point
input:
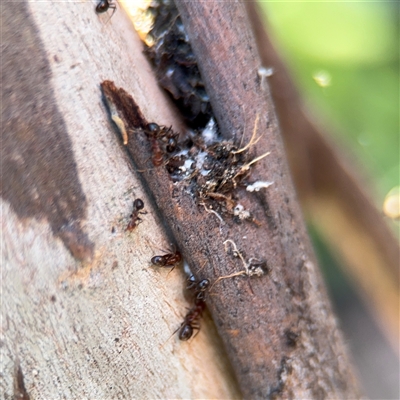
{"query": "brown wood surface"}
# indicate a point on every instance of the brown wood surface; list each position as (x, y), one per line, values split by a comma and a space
(278, 330)
(83, 313)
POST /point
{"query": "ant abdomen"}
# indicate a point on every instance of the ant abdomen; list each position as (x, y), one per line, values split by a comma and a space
(186, 332)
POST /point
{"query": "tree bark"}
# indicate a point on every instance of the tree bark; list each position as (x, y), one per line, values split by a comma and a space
(292, 299)
(83, 312)
(84, 315)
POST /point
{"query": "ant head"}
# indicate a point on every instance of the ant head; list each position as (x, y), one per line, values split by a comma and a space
(172, 145)
(191, 282)
(102, 7)
(153, 127)
(203, 285)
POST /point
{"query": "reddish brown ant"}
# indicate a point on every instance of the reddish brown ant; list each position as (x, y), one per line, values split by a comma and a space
(167, 260)
(192, 318)
(191, 321)
(161, 135)
(158, 155)
(104, 5)
(135, 220)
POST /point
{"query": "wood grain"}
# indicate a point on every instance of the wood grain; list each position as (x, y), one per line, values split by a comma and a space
(278, 330)
(94, 324)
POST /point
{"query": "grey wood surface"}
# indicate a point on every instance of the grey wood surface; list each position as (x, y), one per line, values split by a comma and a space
(84, 315)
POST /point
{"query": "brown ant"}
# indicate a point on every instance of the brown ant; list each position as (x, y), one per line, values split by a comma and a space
(167, 260)
(191, 321)
(104, 5)
(199, 287)
(156, 134)
(192, 318)
(158, 155)
(135, 220)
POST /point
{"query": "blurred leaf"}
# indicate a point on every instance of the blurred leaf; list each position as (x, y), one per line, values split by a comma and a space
(354, 47)
(336, 32)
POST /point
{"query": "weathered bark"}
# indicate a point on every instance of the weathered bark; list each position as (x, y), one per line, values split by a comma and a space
(95, 320)
(292, 299)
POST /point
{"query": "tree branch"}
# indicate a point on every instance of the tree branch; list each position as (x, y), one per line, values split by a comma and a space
(274, 325)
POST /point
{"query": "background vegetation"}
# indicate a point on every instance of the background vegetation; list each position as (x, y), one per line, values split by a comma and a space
(344, 57)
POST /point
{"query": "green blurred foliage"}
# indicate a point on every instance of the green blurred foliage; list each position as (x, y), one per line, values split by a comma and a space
(356, 45)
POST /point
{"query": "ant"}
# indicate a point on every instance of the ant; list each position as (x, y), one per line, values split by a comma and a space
(167, 260)
(104, 5)
(167, 136)
(135, 220)
(192, 318)
(199, 287)
(158, 155)
(191, 321)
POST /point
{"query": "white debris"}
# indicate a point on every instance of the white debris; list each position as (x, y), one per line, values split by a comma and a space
(200, 158)
(169, 72)
(209, 133)
(186, 268)
(264, 73)
(240, 212)
(256, 186)
(187, 165)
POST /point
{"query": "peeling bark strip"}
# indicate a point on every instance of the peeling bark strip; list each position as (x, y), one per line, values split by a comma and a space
(39, 177)
(278, 328)
(123, 110)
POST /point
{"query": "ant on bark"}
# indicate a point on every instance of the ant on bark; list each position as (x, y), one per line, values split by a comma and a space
(199, 287)
(192, 318)
(135, 220)
(161, 135)
(104, 5)
(167, 260)
(191, 321)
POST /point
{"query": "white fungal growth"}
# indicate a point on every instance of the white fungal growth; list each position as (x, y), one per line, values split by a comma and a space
(187, 165)
(241, 213)
(209, 133)
(256, 186)
(200, 158)
(264, 73)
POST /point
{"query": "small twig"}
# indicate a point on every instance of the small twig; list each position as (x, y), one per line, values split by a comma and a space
(228, 276)
(236, 251)
(252, 139)
(209, 210)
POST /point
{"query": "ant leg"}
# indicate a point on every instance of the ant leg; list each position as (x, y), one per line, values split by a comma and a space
(171, 269)
(176, 330)
(196, 327)
(114, 8)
